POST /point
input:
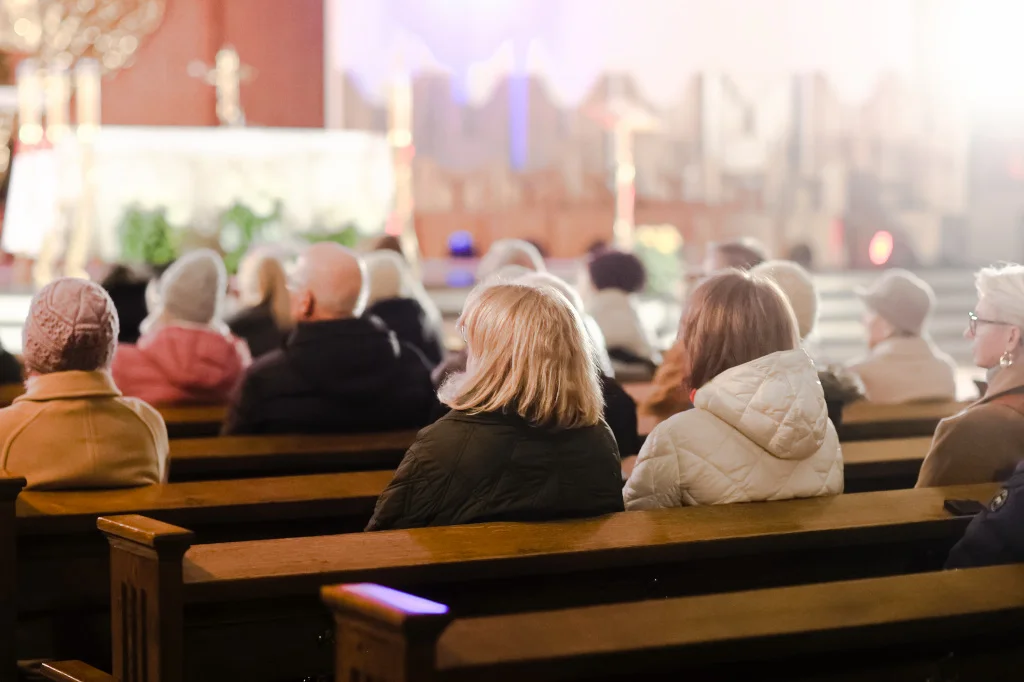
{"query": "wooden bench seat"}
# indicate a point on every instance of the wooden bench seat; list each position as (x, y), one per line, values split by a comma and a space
(249, 610)
(248, 456)
(869, 421)
(888, 464)
(54, 563)
(193, 421)
(960, 625)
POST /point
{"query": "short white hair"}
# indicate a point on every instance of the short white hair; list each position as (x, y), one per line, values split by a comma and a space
(388, 275)
(1003, 287)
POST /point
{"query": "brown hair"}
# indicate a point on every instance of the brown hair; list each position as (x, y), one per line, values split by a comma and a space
(732, 318)
(529, 354)
(743, 254)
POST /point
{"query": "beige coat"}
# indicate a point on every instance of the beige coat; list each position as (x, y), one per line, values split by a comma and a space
(905, 370)
(75, 430)
(985, 441)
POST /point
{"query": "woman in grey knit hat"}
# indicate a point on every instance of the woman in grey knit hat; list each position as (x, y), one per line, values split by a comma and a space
(186, 355)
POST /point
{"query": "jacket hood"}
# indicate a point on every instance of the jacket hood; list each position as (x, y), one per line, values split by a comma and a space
(775, 401)
(345, 356)
(195, 359)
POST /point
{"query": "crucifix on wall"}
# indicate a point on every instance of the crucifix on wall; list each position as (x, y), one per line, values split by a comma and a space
(227, 76)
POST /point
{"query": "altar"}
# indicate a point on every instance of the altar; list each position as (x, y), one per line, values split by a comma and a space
(323, 180)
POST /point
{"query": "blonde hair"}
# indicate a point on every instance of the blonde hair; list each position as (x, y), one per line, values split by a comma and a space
(732, 318)
(388, 276)
(262, 281)
(528, 354)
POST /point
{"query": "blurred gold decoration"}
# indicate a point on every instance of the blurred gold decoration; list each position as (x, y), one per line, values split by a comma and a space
(60, 32)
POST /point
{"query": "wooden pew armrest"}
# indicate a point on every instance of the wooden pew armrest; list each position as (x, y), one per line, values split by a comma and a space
(383, 625)
(73, 671)
(144, 531)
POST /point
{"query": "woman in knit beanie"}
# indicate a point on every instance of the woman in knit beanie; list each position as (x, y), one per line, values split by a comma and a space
(186, 355)
(72, 428)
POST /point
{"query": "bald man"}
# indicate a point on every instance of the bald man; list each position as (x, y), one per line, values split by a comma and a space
(338, 372)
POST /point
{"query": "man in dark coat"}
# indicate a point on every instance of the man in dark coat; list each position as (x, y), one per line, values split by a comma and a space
(337, 373)
(996, 535)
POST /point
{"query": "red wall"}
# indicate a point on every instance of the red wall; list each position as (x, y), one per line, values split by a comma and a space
(281, 39)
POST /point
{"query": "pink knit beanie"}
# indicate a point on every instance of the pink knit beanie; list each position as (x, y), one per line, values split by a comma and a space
(72, 325)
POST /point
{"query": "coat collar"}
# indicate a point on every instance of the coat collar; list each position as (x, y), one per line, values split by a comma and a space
(59, 385)
(1006, 380)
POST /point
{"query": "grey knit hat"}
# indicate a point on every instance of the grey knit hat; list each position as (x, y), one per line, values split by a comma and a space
(901, 298)
(193, 288)
(72, 325)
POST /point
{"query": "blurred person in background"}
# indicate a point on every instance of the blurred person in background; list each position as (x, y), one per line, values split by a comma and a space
(339, 371)
(902, 364)
(265, 317)
(398, 298)
(608, 288)
(840, 387)
(186, 354)
(126, 287)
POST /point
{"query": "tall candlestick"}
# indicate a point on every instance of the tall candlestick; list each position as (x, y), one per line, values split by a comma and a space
(30, 88)
(57, 98)
(87, 98)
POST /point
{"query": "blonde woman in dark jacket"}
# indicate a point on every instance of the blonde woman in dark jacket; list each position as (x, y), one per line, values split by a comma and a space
(524, 439)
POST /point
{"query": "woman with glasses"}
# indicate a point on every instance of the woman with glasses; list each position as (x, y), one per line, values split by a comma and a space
(902, 365)
(985, 441)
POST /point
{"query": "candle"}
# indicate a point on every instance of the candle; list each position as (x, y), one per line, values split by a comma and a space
(30, 130)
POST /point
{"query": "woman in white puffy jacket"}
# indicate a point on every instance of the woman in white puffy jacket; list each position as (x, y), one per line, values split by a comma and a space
(759, 428)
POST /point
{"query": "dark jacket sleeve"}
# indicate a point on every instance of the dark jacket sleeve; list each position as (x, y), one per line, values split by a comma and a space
(411, 497)
(10, 370)
(620, 415)
(243, 412)
(996, 535)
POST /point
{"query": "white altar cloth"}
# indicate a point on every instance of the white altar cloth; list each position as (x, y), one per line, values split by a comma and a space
(324, 179)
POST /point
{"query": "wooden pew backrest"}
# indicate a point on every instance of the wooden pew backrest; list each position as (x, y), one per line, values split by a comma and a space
(249, 456)
(193, 421)
(383, 635)
(498, 566)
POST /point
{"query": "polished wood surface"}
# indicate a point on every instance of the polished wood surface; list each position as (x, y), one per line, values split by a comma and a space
(248, 500)
(863, 412)
(193, 421)
(74, 671)
(249, 456)
(354, 558)
(856, 614)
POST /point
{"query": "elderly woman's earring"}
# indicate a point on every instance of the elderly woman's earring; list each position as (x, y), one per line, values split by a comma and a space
(1006, 359)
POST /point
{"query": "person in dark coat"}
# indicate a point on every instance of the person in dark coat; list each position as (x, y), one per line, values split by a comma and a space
(524, 439)
(265, 319)
(10, 368)
(338, 372)
(996, 535)
(127, 289)
(397, 298)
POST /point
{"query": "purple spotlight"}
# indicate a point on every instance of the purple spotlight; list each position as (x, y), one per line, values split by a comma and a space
(460, 244)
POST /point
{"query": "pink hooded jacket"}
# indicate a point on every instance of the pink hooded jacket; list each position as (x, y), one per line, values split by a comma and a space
(181, 364)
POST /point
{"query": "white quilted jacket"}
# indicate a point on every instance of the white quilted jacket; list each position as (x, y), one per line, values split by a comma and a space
(759, 431)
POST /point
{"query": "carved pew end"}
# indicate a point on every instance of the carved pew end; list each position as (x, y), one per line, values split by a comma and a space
(146, 593)
(383, 634)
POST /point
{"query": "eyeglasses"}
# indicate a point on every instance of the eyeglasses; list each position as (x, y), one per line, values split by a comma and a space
(974, 321)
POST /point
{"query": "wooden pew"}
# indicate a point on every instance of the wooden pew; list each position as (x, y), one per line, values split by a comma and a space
(888, 464)
(868, 421)
(962, 625)
(247, 456)
(54, 563)
(248, 610)
(193, 421)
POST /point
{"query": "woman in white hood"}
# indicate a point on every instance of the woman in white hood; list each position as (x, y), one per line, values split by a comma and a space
(759, 429)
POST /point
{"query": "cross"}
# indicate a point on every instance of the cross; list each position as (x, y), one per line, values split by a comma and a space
(227, 75)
